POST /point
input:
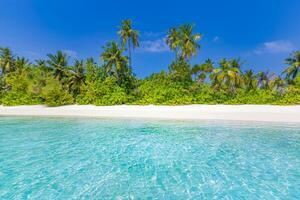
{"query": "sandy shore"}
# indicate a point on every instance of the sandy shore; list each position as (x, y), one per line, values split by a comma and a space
(190, 112)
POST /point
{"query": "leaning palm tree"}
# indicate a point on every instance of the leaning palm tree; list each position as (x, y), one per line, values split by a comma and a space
(115, 63)
(128, 36)
(227, 76)
(250, 80)
(58, 62)
(203, 70)
(294, 66)
(183, 41)
(6, 60)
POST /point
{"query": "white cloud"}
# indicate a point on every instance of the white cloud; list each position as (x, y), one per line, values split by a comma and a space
(151, 34)
(278, 46)
(154, 46)
(70, 52)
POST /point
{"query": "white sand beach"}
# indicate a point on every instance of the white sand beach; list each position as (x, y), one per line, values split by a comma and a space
(264, 113)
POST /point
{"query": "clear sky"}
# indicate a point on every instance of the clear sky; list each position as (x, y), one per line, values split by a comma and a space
(260, 32)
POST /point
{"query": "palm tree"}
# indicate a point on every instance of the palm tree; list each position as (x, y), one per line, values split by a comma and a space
(129, 36)
(6, 60)
(59, 63)
(277, 84)
(183, 41)
(201, 71)
(92, 70)
(44, 72)
(114, 61)
(76, 77)
(42, 64)
(189, 44)
(294, 66)
(21, 63)
(173, 39)
(264, 79)
(249, 80)
(227, 75)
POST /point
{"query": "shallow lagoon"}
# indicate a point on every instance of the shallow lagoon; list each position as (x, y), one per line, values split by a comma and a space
(48, 158)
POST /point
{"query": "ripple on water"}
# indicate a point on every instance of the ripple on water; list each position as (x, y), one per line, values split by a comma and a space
(133, 159)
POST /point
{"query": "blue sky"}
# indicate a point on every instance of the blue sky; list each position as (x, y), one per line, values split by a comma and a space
(260, 32)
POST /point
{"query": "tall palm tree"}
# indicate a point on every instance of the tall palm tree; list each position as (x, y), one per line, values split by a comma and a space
(294, 66)
(183, 41)
(129, 36)
(189, 46)
(59, 63)
(114, 61)
(227, 75)
(203, 70)
(6, 60)
(250, 80)
(76, 77)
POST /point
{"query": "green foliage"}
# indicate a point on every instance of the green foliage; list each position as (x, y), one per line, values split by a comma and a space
(106, 92)
(162, 89)
(254, 97)
(7, 60)
(291, 97)
(129, 36)
(202, 71)
(183, 41)
(111, 93)
(56, 82)
(180, 71)
(14, 98)
(297, 81)
(58, 63)
(294, 66)
(76, 77)
(19, 88)
(54, 94)
(227, 76)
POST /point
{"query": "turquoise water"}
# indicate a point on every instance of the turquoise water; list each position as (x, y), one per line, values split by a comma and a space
(62, 158)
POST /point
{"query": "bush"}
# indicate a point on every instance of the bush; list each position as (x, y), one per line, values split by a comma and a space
(14, 98)
(17, 89)
(291, 97)
(161, 89)
(106, 92)
(254, 97)
(54, 94)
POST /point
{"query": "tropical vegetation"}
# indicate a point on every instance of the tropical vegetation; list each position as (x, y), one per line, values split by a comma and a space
(55, 81)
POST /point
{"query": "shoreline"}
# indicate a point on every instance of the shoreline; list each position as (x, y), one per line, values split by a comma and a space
(259, 113)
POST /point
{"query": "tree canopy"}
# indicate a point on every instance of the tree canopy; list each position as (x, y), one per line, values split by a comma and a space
(56, 81)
